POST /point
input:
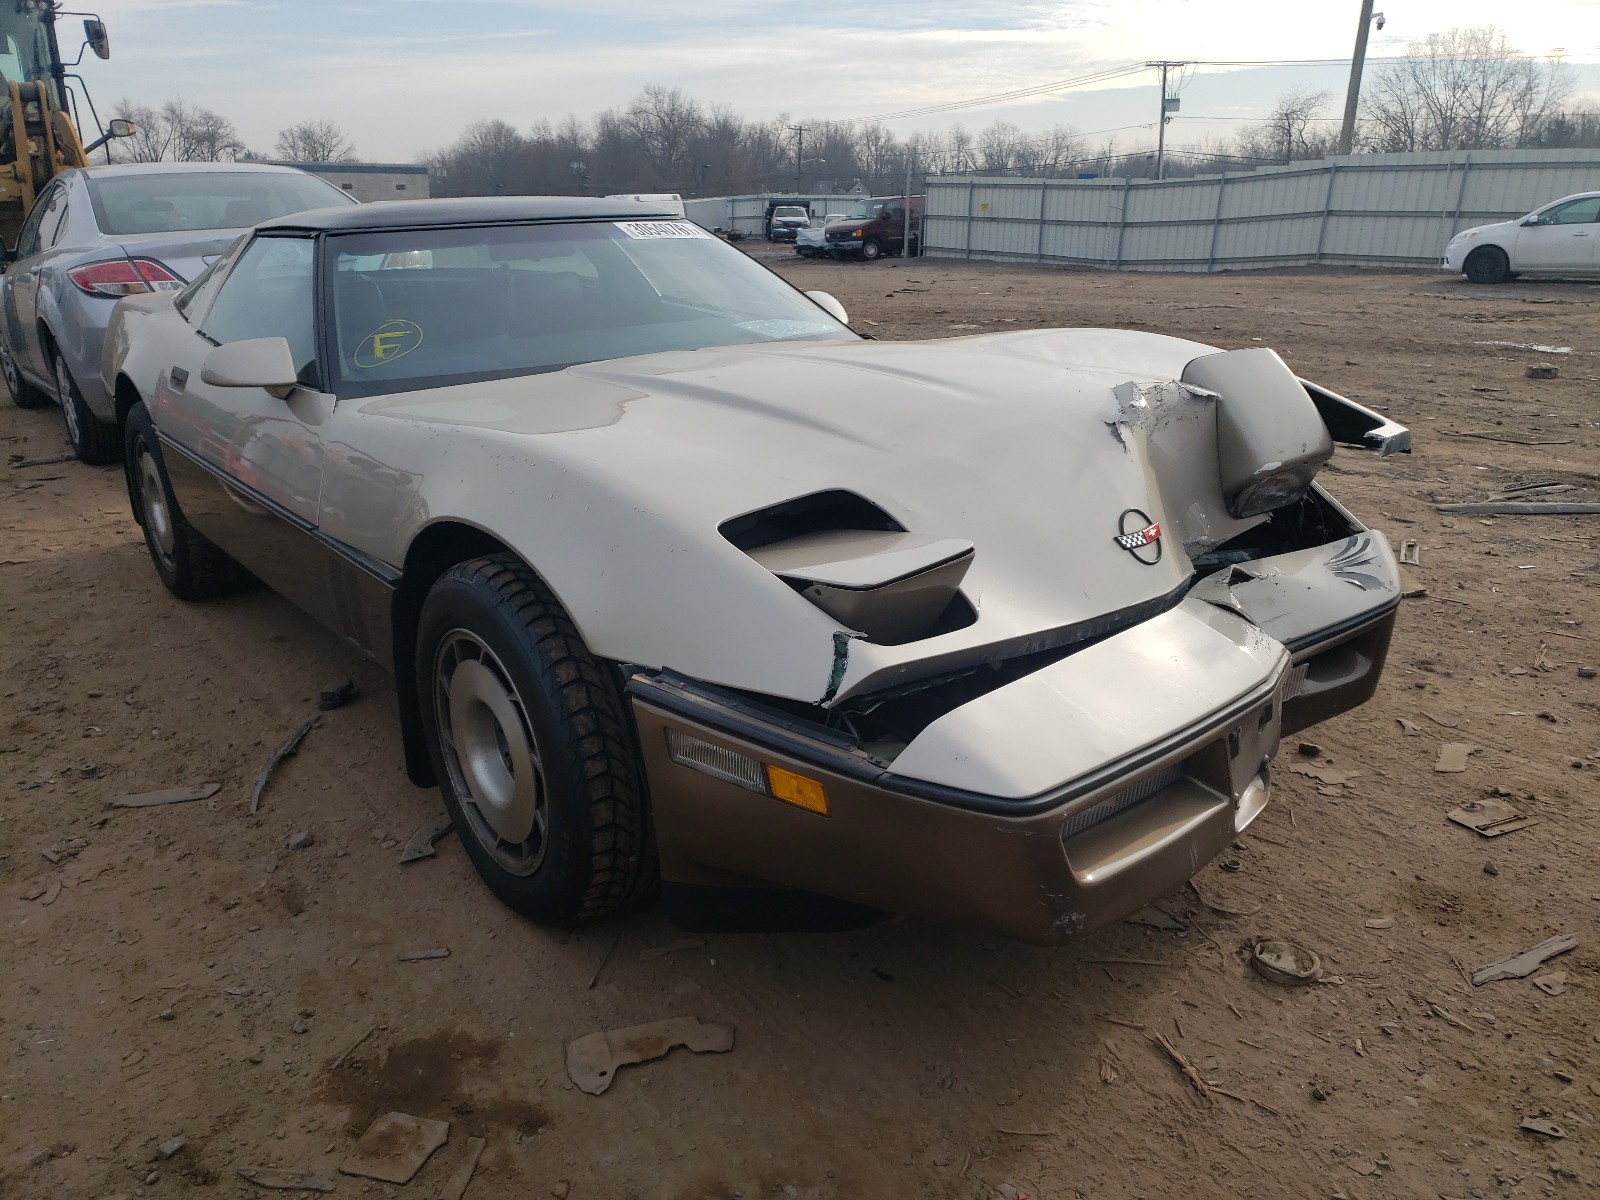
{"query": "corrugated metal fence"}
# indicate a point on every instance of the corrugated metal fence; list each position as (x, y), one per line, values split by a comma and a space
(747, 214)
(1369, 209)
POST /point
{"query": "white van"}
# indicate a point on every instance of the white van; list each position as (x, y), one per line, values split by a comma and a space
(668, 200)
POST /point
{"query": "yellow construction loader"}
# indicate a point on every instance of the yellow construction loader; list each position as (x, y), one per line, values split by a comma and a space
(38, 137)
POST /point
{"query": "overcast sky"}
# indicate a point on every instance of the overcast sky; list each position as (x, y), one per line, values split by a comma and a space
(403, 76)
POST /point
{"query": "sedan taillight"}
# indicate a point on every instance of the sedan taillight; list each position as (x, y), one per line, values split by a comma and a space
(124, 277)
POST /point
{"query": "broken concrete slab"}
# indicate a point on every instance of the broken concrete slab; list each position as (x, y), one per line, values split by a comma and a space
(394, 1147)
(455, 1188)
(1490, 818)
(1453, 757)
(593, 1060)
(1520, 966)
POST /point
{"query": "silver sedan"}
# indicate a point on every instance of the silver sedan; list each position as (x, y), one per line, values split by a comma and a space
(100, 233)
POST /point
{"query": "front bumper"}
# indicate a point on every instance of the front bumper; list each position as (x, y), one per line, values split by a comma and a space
(784, 233)
(1041, 866)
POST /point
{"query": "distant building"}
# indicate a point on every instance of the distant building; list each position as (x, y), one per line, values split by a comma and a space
(372, 181)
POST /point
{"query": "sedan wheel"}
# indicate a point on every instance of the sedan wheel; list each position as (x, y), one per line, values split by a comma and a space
(23, 393)
(93, 440)
(531, 746)
(1487, 264)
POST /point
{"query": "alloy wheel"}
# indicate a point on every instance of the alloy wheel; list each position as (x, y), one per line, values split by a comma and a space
(489, 751)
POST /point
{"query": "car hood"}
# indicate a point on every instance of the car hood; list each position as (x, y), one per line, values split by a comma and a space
(1499, 228)
(848, 226)
(185, 254)
(1032, 446)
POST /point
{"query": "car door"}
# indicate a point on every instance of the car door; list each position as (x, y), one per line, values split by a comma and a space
(1561, 238)
(246, 466)
(892, 219)
(22, 284)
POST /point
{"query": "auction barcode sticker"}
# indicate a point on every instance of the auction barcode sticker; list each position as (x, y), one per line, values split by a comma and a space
(644, 231)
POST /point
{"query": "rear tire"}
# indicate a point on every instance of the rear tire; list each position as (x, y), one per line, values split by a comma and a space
(191, 567)
(871, 250)
(93, 441)
(23, 393)
(1487, 264)
(531, 746)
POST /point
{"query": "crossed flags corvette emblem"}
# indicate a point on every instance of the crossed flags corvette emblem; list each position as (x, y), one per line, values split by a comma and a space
(1139, 536)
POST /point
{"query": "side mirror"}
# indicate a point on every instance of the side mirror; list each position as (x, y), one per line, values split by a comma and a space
(257, 362)
(94, 31)
(120, 127)
(829, 305)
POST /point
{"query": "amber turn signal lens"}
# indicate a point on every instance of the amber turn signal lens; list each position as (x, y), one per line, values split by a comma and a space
(797, 790)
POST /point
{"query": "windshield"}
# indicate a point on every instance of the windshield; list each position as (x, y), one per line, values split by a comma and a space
(432, 307)
(788, 210)
(171, 201)
(865, 211)
(24, 47)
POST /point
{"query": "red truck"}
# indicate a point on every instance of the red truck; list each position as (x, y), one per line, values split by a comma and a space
(877, 226)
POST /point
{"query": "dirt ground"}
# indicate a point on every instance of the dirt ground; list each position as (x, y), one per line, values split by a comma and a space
(180, 972)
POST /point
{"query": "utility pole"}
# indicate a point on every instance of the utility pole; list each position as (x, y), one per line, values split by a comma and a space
(1169, 105)
(1352, 98)
(799, 153)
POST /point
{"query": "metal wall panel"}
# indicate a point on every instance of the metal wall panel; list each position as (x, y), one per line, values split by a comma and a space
(1381, 209)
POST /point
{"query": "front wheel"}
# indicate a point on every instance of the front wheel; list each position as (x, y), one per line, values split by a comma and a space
(94, 441)
(191, 567)
(871, 249)
(1487, 264)
(529, 741)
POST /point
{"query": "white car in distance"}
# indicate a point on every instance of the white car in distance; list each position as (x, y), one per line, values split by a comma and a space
(1562, 238)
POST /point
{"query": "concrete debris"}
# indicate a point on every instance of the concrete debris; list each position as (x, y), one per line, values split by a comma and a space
(287, 749)
(171, 1146)
(1453, 757)
(426, 837)
(285, 1181)
(1411, 552)
(1520, 966)
(394, 1147)
(1490, 818)
(1542, 371)
(302, 839)
(1552, 983)
(337, 696)
(178, 795)
(455, 1188)
(593, 1060)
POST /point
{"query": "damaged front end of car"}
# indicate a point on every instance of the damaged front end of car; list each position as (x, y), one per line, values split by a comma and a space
(1044, 784)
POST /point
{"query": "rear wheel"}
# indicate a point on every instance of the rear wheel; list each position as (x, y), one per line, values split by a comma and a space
(529, 741)
(93, 440)
(871, 249)
(23, 393)
(1487, 264)
(191, 567)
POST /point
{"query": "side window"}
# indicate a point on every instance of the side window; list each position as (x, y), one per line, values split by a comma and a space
(54, 219)
(28, 239)
(1578, 212)
(270, 293)
(891, 212)
(192, 301)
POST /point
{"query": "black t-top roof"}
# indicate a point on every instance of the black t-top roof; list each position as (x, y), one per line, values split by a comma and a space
(470, 210)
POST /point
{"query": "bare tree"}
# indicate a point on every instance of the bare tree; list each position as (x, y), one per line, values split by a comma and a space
(152, 141)
(1291, 131)
(315, 141)
(1467, 89)
(177, 132)
(665, 121)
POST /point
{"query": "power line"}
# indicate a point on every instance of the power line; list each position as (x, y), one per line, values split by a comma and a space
(1001, 97)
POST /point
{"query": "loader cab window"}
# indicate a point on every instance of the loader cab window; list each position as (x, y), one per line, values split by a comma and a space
(24, 49)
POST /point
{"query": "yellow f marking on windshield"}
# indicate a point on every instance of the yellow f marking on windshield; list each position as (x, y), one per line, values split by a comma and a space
(388, 342)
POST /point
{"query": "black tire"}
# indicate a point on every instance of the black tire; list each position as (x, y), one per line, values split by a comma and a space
(1487, 264)
(94, 441)
(23, 393)
(191, 567)
(871, 250)
(496, 650)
